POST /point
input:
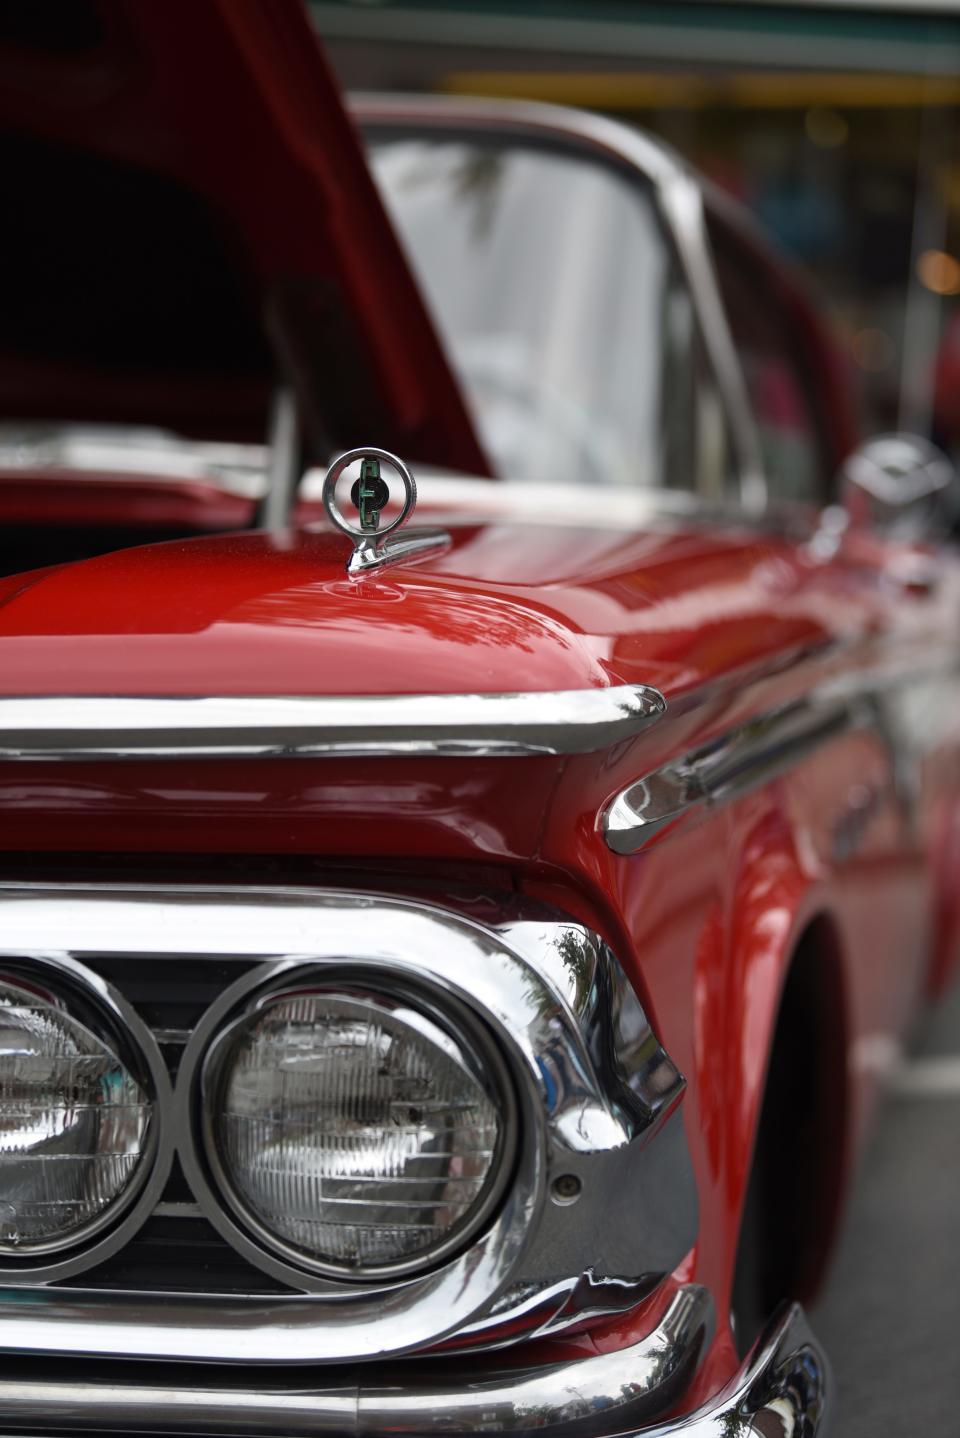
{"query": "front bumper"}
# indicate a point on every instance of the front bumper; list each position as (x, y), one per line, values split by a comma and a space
(784, 1390)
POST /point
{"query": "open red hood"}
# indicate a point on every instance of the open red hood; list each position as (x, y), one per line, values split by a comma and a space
(190, 222)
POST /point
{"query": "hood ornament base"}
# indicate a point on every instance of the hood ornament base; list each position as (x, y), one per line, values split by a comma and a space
(375, 554)
(376, 546)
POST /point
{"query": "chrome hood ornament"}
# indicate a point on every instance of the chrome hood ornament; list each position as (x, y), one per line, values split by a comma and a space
(376, 544)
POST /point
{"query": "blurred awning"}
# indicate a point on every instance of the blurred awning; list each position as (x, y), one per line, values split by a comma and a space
(914, 37)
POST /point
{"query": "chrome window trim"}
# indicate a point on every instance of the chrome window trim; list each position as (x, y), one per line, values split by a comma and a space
(284, 464)
(122, 1220)
(573, 721)
(681, 201)
(598, 1098)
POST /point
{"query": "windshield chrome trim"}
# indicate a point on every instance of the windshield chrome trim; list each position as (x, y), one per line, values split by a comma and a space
(572, 721)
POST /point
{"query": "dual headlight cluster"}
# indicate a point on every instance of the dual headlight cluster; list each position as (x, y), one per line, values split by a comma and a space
(347, 1129)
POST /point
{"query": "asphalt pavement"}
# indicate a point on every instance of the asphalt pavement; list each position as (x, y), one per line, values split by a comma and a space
(890, 1315)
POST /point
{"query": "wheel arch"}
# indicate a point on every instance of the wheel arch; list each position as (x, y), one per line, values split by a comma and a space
(799, 1155)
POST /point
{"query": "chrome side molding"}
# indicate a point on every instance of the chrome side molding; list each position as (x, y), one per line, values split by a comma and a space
(572, 721)
(723, 769)
(603, 1393)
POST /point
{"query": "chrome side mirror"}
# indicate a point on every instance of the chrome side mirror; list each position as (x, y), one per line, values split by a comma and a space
(900, 486)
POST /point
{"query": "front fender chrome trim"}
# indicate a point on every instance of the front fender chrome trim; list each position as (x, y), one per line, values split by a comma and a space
(722, 770)
(784, 1390)
(571, 721)
(607, 1392)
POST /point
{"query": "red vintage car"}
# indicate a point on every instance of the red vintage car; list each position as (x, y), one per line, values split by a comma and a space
(449, 957)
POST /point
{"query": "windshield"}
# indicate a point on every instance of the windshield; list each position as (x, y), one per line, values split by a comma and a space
(551, 283)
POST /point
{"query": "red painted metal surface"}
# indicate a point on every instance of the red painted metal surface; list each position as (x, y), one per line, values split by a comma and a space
(140, 503)
(705, 920)
(247, 614)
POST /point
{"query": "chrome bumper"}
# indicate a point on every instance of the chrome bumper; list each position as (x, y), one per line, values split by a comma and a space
(783, 1391)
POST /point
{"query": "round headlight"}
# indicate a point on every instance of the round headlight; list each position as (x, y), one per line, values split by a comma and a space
(76, 1125)
(356, 1133)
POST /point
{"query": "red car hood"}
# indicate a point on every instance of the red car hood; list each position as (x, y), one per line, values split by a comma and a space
(507, 608)
(191, 222)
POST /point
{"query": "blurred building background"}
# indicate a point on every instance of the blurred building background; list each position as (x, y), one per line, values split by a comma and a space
(837, 124)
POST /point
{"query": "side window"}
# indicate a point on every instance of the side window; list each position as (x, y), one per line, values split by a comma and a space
(778, 387)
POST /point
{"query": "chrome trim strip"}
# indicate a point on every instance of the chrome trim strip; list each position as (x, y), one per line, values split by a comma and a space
(597, 1098)
(284, 470)
(125, 451)
(723, 769)
(180, 462)
(784, 1390)
(681, 200)
(573, 721)
(599, 1394)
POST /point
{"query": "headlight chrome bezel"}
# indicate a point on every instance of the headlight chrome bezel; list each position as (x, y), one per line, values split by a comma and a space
(593, 1085)
(93, 1003)
(203, 1073)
